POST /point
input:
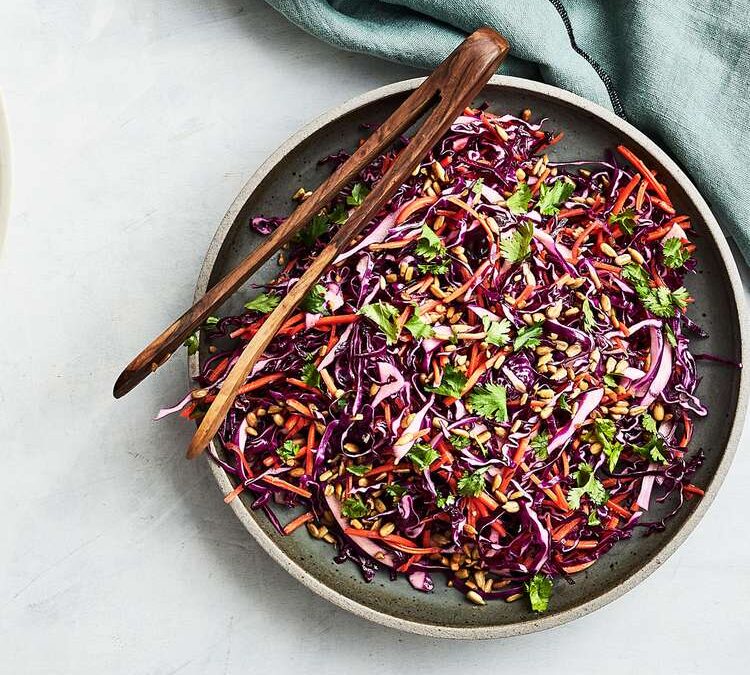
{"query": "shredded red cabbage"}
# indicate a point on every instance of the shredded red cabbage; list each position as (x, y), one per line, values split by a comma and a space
(492, 383)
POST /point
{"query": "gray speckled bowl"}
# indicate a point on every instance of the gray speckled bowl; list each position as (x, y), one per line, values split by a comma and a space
(590, 130)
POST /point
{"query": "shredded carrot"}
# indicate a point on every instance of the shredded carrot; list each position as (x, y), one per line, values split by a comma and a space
(618, 509)
(309, 449)
(641, 195)
(231, 496)
(572, 569)
(218, 370)
(336, 319)
(280, 483)
(259, 382)
(625, 193)
(302, 385)
(412, 207)
(298, 522)
(647, 173)
(581, 238)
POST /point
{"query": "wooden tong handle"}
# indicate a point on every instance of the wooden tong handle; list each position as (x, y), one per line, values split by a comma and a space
(451, 87)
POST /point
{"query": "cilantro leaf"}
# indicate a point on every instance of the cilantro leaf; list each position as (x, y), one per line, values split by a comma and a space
(528, 336)
(395, 491)
(562, 403)
(587, 485)
(353, 507)
(539, 445)
(433, 267)
(659, 301)
(452, 383)
(518, 245)
(489, 401)
(477, 187)
(518, 202)
(359, 192)
(429, 246)
(472, 484)
(648, 423)
(459, 442)
(442, 501)
(287, 451)
(498, 332)
(604, 432)
(192, 344)
(675, 254)
(384, 315)
(210, 322)
(594, 519)
(419, 328)
(625, 219)
(314, 301)
(540, 591)
(671, 337)
(422, 455)
(310, 374)
(264, 303)
(610, 380)
(653, 450)
(317, 227)
(588, 315)
(359, 469)
(550, 198)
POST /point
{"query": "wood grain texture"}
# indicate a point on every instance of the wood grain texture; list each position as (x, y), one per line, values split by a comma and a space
(453, 84)
(451, 87)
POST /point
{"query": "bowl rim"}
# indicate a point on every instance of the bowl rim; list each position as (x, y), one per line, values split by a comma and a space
(536, 623)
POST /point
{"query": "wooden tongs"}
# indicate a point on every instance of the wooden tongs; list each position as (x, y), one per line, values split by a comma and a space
(449, 89)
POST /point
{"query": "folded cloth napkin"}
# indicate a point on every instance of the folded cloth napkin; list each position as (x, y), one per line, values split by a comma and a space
(679, 70)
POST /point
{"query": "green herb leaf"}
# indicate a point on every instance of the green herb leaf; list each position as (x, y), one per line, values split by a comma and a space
(498, 332)
(671, 338)
(419, 328)
(588, 315)
(587, 485)
(435, 268)
(594, 519)
(310, 374)
(648, 423)
(452, 383)
(210, 321)
(528, 336)
(287, 451)
(429, 246)
(314, 301)
(384, 315)
(539, 445)
(395, 491)
(339, 215)
(477, 187)
(562, 403)
(472, 484)
(459, 442)
(489, 401)
(359, 469)
(609, 380)
(359, 192)
(318, 226)
(264, 303)
(422, 455)
(354, 507)
(192, 344)
(518, 202)
(518, 245)
(540, 591)
(653, 450)
(550, 198)
(659, 301)
(443, 501)
(604, 432)
(625, 219)
(675, 254)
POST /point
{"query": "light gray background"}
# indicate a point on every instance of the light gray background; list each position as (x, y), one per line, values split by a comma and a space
(134, 124)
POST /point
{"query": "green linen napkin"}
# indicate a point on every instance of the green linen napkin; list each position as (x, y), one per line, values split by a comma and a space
(679, 70)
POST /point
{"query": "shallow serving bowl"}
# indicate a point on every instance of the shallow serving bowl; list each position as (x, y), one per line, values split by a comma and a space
(589, 132)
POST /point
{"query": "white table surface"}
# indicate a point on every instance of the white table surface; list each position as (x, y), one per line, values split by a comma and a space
(134, 124)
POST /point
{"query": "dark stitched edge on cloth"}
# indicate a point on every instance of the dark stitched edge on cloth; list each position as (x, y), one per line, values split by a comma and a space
(614, 97)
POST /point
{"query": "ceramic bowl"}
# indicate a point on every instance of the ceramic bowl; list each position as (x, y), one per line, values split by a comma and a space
(589, 132)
